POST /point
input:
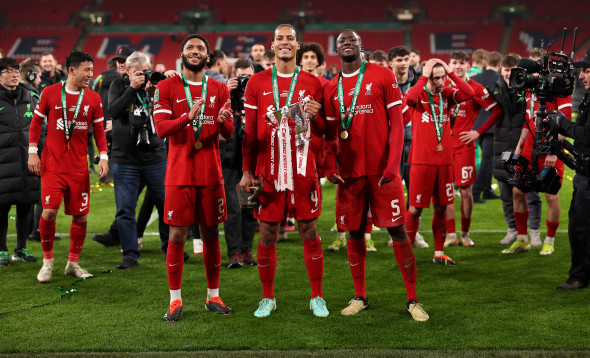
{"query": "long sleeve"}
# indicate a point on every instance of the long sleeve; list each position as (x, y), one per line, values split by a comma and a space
(250, 142)
(396, 141)
(413, 94)
(464, 91)
(120, 98)
(496, 115)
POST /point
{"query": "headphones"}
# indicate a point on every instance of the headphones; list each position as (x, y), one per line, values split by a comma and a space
(31, 75)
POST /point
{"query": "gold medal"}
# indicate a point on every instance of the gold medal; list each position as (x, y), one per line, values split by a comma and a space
(439, 147)
(198, 145)
(344, 134)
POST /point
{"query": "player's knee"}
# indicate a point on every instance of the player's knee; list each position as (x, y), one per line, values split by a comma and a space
(80, 218)
(397, 233)
(49, 214)
(178, 234)
(308, 230)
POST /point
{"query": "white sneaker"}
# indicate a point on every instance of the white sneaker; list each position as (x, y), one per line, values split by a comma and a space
(535, 236)
(451, 240)
(44, 275)
(466, 240)
(509, 238)
(419, 243)
(73, 269)
(197, 246)
(390, 243)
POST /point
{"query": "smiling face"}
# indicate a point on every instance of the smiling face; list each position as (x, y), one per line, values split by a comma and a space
(285, 44)
(48, 63)
(348, 46)
(459, 67)
(194, 55)
(400, 64)
(82, 74)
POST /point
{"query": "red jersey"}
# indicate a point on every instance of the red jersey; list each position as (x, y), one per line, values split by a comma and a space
(562, 104)
(375, 136)
(186, 164)
(425, 140)
(465, 114)
(56, 157)
(260, 148)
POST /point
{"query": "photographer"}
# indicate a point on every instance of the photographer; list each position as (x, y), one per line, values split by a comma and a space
(579, 225)
(240, 225)
(138, 156)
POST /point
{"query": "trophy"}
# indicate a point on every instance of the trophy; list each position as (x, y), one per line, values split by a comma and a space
(295, 112)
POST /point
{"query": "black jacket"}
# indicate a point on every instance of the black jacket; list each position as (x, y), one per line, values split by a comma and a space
(580, 130)
(102, 85)
(47, 80)
(123, 103)
(17, 184)
(509, 127)
(230, 150)
(486, 79)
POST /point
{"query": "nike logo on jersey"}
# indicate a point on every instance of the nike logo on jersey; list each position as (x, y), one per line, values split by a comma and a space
(178, 101)
(219, 217)
(172, 265)
(57, 107)
(314, 210)
(265, 93)
(396, 219)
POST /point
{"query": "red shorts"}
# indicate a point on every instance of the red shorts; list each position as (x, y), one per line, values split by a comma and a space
(73, 188)
(431, 182)
(303, 204)
(186, 204)
(464, 170)
(559, 166)
(357, 195)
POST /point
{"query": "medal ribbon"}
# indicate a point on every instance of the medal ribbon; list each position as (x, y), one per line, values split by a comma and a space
(69, 130)
(275, 88)
(347, 119)
(197, 122)
(438, 121)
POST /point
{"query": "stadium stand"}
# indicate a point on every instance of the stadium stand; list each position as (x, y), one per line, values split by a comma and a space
(22, 43)
(528, 34)
(41, 12)
(460, 9)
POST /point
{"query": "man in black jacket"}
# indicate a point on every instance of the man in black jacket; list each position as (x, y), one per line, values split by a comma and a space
(51, 75)
(579, 225)
(138, 156)
(18, 186)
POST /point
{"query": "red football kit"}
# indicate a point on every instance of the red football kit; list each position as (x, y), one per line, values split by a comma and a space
(191, 162)
(265, 148)
(372, 148)
(463, 117)
(317, 143)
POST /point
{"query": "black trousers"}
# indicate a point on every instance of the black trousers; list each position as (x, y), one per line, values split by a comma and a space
(579, 229)
(483, 182)
(24, 213)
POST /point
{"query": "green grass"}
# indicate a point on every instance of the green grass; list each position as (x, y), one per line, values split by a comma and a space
(488, 302)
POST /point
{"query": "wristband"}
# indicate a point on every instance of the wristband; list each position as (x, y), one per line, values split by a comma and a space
(33, 150)
(104, 156)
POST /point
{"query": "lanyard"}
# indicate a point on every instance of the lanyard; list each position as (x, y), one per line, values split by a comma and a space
(438, 121)
(347, 119)
(275, 88)
(197, 122)
(69, 130)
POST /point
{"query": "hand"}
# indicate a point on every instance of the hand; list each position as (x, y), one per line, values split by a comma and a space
(170, 73)
(336, 179)
(383, 181)
(224, 113)
(247, 181)
(427, 69)
(444, 64)
(109, 125)
(550, 160)
(232, 83)
(138, 80)
(312, 109)
(468, 136)
(150, 88)
(196, 109)
(34, 164)
(103, 168)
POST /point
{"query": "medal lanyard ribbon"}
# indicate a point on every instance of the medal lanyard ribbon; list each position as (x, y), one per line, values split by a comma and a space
(197, 123)
(438, 120)
(69, 129)
(347, 118)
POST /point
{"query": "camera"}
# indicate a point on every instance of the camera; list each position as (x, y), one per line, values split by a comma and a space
(152, 76)
(143, 139)
(243, 82)
(526, 178)
(554, 78)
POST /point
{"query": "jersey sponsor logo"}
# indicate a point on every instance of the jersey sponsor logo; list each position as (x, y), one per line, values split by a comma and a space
(368, 88)
(86, 108)
(363, 109)
(170, 212)
(209, 120)
(79, 125)
(212, 101)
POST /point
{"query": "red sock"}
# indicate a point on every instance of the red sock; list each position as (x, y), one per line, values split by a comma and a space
(521, 222)
(465, 224)
(267, 266)
(439, 230)
(551, 228)
(412, 223)
(406, 261)
(451, 226)
(314, 263)
(357, 253)
(47, 232)
(77, 236)
(174, 264)
(212, 261)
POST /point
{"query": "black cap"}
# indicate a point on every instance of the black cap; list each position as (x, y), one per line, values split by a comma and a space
(123, 51)
(585, 63)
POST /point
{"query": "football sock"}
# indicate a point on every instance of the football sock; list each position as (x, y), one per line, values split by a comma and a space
(314, 263)
(212, 261)
(341, 235)
(212, 292)
(465, 224)
(367, 236)
(267, 266)
(451, 226)
(404, 255)
(77, 236)
(551, 228)
(357, 254)
(521, 222)
(412, 225)
(175, 295)
(174, 264)
(47, 233)
(438, 229)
